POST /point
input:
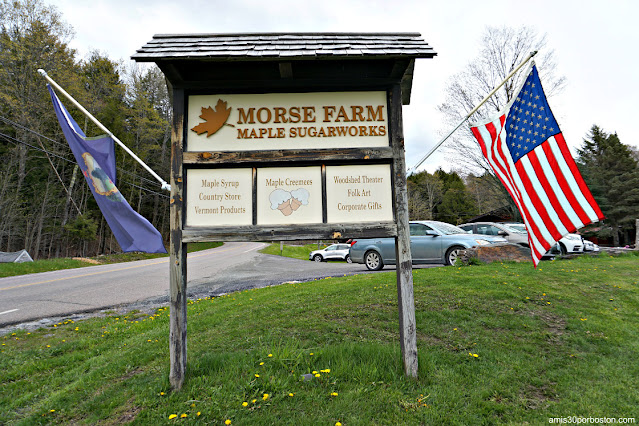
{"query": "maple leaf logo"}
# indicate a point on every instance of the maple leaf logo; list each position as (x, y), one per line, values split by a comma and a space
(214, 119)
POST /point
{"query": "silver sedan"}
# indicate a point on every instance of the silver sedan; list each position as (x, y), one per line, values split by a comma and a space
(430, 242)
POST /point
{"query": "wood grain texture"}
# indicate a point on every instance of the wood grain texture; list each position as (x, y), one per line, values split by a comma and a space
(177, 272)
(290, 232)
(405, 297)
(216, 158)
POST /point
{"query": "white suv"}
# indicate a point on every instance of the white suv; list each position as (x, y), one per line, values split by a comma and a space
(332, 252)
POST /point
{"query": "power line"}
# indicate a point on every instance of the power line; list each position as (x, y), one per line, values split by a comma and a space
(18, 141)
(13, 123)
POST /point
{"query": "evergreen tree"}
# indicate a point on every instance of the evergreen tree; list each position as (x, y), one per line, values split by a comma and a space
(457, 204)
(612, 174)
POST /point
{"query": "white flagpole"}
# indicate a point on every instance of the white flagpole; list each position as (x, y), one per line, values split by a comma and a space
(164, 184)
(530, 55)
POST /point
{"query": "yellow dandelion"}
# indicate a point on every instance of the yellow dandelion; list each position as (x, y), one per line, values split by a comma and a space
(270, 355)
(245, 404)
(172, 416)
(51, 411)
(318, 375)
(265, 397)
(333, 393)
(338, 424)
(314, 372)
(227, 422)
(198, 413)
(291, 394)
(183, 416)
(161, 393)
(257, 375)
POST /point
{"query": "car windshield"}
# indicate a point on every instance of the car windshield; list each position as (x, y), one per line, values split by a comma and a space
(446, 228)
(520, 228)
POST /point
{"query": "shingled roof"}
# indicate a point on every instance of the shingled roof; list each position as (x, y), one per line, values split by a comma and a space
(278, 46)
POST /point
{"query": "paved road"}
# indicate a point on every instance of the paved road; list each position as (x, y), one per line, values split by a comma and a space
(38, 299)
(59, 293)
(231, 267)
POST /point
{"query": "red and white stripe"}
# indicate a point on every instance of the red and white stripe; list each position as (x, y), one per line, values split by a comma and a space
(545, 184)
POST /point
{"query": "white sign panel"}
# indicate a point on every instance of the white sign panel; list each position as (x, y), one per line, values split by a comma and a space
(289, 195)
(243, 122)
(219, 197)
(358, 193)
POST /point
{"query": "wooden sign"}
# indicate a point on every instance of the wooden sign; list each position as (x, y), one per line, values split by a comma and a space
(286, 137)
(287, 121)
(289, 195)
(359, 193)
(219, 197)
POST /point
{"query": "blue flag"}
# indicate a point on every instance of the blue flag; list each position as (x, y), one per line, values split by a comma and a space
(96, 158)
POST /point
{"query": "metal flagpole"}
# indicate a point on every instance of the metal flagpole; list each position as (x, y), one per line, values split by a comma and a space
(164, 184)
(530, 55)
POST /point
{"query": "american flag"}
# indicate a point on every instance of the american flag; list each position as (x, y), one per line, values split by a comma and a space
(528, 153)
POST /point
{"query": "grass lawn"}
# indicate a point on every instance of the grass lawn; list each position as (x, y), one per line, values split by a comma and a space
(498, 344)
(296, 252)
(44, 265)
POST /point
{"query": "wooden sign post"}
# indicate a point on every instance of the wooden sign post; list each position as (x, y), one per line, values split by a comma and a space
(282, 137)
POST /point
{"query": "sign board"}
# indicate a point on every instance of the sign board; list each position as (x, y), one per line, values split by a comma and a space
(287, 121)
(219, 196)
(287, 136)
(313, 191)
(359, 193)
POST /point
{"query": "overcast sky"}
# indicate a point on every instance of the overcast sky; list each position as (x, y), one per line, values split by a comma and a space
(594, 44)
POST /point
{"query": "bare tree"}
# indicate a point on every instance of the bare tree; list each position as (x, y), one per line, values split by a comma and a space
(425, 191)
(503, 49)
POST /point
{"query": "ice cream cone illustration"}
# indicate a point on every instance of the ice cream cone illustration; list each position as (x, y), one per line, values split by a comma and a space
(285, 208)
(295, 204)
(299, 197)
(281, 200)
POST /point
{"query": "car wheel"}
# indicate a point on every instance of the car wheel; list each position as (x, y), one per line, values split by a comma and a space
(562, 249)
(317, 258)
(348, 259)
(452, 254)
(373, 261)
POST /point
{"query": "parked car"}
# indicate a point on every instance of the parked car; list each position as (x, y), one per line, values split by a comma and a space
(430, 242)
(513, 234)
(590, 246)
(332, 252)
(571, 243)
